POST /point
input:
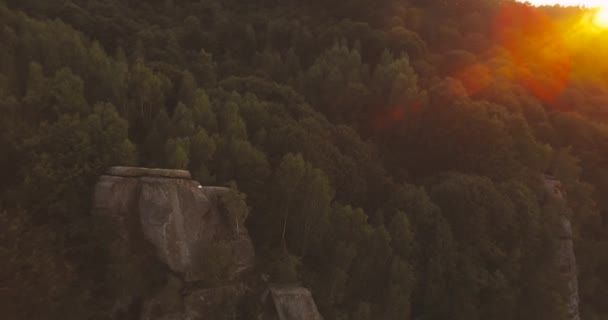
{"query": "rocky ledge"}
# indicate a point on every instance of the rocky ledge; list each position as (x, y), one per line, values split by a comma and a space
(565, 259)
(171, 220)
(182, 225)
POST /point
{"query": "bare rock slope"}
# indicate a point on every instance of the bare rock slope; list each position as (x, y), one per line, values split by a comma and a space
(175, 218)
(190, 231)
(565, 260)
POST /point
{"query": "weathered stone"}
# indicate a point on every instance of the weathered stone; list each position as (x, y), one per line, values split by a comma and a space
(166, 304)
(566, 264)
(292, 303)
(554, 186)
(564, 229)
(243, 251)
(175, 215)
(202, 302)
(172, 304)
(565, 259)
(171, 217)
(113, 198)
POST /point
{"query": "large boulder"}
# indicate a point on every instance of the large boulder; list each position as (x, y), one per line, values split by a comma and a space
(173, 213)
(193, 232)
(166, 215)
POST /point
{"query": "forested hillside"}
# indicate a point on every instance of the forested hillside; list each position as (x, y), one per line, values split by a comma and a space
(392, 152)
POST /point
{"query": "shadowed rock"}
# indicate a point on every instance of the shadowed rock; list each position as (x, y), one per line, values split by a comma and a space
(565, 260)
(193, 231)
(174, 213)
(291, 303)
(174, 217)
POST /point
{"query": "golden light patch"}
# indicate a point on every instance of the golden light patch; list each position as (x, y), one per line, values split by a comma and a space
(601, 18)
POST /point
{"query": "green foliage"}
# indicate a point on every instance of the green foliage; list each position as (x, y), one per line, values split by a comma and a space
(335, 83)
(202, 148)
(390, 157)
(236, 209)
(66, 156)
(177, 151)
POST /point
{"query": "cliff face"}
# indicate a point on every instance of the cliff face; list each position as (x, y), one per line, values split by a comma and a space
(291, 303)
(565, 259)
(175, 220)
(190, 230)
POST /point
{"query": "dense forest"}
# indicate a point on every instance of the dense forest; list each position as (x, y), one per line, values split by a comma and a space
(401, 144)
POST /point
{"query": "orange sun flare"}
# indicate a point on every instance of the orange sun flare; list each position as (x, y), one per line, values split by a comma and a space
(601, 17)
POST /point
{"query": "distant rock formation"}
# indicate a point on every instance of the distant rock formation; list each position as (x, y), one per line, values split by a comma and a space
(565, 259)
(166, 215)
(290, 303)
(175, 219)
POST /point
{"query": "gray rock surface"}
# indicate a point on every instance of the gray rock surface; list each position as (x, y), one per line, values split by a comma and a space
(565, 260)
(292, 303)
(172, 216)
(202, 303)
(165, 215)
(175, 215)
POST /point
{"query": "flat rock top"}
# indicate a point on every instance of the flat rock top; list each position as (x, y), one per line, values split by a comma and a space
(148, 172)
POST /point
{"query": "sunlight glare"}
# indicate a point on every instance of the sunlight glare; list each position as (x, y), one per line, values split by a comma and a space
(601, 17)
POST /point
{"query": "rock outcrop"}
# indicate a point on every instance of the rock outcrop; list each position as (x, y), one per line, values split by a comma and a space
(565, 260)
(204, 251)
(290, 303)
(175, 220)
